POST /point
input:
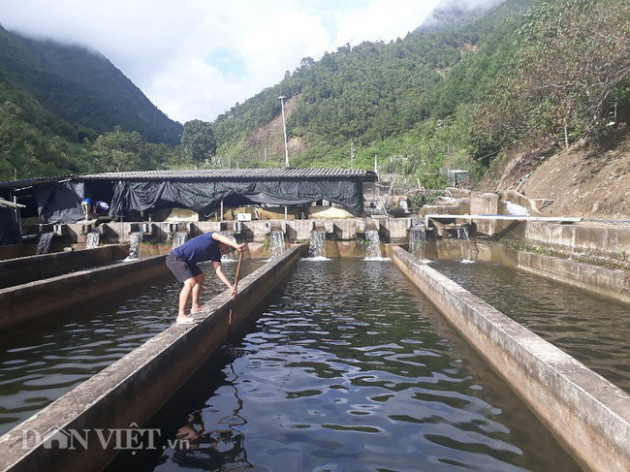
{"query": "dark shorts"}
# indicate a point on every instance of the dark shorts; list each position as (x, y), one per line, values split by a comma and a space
(182, 269)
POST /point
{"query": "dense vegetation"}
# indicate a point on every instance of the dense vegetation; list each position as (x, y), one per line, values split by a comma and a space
(62, 108)
(532, 70)
(453, 98)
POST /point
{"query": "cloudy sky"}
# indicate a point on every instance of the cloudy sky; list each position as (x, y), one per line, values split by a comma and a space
(195, 59)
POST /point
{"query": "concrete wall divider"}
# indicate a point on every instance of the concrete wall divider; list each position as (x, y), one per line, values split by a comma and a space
(24, 302)
(123, 396)
(28, 269)
(589, 415)
(612, 283)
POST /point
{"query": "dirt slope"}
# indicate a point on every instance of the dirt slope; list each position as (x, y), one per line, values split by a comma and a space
(267, 142)
(578, 182)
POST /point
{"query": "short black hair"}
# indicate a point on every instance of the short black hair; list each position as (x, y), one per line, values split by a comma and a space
(224, 248)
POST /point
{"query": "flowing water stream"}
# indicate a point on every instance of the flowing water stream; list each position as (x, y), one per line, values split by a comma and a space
(372, 245)
(349, 368)
(317, 246)
(43, 243)
(93, 239)
(277, 244)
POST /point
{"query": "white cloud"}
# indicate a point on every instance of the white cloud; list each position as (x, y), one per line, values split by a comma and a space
(382, 20)
(197, 58)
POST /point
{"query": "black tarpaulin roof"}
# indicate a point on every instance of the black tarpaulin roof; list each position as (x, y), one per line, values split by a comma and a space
(204, 190)
(58, 200)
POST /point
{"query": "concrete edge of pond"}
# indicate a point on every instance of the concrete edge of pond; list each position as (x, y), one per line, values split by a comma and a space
(610, 282)
(122, 397)
(29, 269)
(588, 414)
(23, 303)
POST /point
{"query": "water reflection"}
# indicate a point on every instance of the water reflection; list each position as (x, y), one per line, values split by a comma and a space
(349, 368)
(590, 328)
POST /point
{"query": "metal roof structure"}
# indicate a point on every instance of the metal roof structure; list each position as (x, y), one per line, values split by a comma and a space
(203, 175)
(241, 175)
(57, 199)
(26, 183)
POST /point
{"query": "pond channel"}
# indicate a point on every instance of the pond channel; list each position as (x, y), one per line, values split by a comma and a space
(349, 368)
(42, 360)
(591, 328)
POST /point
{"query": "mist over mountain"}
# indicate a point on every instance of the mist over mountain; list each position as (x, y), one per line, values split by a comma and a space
(82, 88)
(453, 14)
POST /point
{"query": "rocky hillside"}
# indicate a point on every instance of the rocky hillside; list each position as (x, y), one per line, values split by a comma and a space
(575, 182)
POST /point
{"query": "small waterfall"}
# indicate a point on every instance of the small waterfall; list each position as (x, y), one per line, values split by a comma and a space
(372, 245)
(135, 239)
(462, 233)
(514, 209)
(317, 247)
(417, 240)
(276, 244)
(43, 245)
(179, 238)
(93, 239)
(465, 245)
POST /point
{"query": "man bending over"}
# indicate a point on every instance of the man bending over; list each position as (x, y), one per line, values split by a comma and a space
(183, 260)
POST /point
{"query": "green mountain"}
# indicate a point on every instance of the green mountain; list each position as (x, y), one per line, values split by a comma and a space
(82, 88)
(519, 74)
(375, 97)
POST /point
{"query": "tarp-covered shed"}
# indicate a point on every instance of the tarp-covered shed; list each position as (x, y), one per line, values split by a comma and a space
(26, 199)
(58, 200)
(203, 191)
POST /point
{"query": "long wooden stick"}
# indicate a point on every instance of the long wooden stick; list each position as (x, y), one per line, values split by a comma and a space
(238, 270)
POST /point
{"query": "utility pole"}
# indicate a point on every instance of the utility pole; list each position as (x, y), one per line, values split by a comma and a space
(284, 127)
(351, 155)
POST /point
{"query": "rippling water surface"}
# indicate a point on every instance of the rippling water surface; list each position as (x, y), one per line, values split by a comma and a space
(593, 329)
(348, 369)
(47, 357)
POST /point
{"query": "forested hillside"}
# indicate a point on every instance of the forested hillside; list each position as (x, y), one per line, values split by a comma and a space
(66, 110)
(396, 100)
(466, 92)
(528, 71)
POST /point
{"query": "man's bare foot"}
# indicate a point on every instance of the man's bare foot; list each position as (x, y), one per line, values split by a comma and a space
(196, 309)
(184, 319)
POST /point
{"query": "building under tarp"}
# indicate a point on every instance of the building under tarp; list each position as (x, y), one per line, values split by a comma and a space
(205, 191)
(19, 202)
(202, 191)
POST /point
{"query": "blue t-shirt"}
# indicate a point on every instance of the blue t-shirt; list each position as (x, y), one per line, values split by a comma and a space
(198, 249)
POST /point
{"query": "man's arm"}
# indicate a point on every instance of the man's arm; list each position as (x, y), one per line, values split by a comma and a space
(219, 271)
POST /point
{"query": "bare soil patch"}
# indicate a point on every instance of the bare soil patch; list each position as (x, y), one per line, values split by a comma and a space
(578, 181)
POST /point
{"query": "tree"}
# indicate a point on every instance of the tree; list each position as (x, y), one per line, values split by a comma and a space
(573, 63)
(198, 141)
(119, 151)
